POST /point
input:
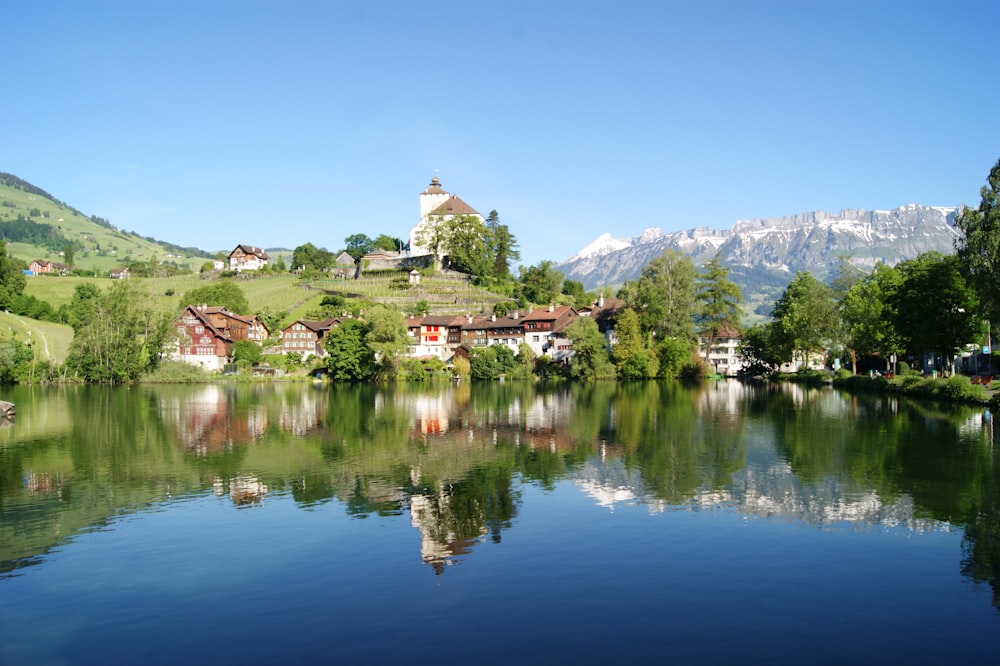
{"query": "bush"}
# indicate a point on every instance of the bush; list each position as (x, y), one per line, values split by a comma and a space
(175, 372)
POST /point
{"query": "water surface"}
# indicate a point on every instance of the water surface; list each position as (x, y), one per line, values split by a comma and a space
(496, 523)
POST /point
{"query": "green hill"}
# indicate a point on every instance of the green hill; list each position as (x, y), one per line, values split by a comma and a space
(50, 341)
(36, 225)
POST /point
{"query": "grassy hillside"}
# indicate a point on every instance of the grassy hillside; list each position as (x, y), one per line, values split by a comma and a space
(444, 293)
(50, 341)
(38, 226)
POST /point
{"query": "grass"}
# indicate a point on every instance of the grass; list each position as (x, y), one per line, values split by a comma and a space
(103, 248)
(50, 341)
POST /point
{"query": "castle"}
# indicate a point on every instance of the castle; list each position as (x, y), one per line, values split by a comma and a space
(436, 205)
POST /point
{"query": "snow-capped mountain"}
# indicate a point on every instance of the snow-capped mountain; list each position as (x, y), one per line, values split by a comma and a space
(763, 255)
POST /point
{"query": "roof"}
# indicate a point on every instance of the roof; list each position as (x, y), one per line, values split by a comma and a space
(434, 187)
(454, 206)
(200, 316)
(251, 250)
(316, 326)
(544, 314)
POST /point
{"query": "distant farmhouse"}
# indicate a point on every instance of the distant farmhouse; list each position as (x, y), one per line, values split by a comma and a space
(39, 266)
(247, 258)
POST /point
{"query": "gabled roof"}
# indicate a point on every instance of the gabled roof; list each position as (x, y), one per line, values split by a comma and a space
(250, 250)
(317, 326)
(441, 320)
(544, 314)
(454, 206)
(201, 317)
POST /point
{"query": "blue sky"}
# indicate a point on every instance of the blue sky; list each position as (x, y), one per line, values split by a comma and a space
(213, 123)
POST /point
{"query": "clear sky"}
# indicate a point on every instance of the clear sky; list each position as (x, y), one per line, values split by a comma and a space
(275, 123)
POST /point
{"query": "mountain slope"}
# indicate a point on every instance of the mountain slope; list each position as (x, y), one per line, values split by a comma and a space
(763, 255)
(36, 225)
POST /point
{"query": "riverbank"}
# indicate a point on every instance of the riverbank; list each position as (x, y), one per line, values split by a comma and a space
(956, 388)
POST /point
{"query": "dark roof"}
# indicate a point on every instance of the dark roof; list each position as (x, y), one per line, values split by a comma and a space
(434, 187)
(251, 250)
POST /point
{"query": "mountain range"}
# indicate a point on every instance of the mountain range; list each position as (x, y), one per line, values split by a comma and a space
(763, 255)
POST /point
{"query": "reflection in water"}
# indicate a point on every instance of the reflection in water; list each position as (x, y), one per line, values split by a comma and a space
(454, 456)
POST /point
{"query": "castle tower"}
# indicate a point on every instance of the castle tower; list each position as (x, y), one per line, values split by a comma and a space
(432, 197)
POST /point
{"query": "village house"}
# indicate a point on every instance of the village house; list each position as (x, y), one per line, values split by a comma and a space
(544, 330)
(473, 332)
(723, 356)
(307, 337)
(199, 342)
(39, 266)
(237, 327)
(434, 336)
(507, 330)
(247, 258)
(605, 313)
(120, 273)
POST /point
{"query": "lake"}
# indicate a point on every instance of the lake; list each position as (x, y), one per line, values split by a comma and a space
(499, 523)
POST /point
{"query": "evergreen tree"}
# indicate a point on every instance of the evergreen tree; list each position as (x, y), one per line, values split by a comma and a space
(719, 301)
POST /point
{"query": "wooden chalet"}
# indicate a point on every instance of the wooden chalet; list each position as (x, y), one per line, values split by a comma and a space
(247, 258)
(199, 342)
(307, 337)
(237, 327)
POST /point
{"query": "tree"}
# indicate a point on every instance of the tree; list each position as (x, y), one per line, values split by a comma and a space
(806, 313)
(246, 352)
(386, 337)
(120, 337)
(979, 245)
(68, 254)
(540, 284)
(663, 296)
(632, 359)
(764, 348)
(936, 309)
(590, 359)
(719, 301)
(223, 293)
(466, 246)
(868, 317)
(16, 360)
(389, 243)
(434, 236)
(75, 313)
(279, 264)
(307, 256)
(349, 358)
(502, 245)
(12, 280)
(358, 245)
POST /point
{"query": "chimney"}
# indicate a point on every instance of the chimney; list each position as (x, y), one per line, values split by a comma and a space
(493, 317)
(552, 307)
(514, 315)
(600, 301)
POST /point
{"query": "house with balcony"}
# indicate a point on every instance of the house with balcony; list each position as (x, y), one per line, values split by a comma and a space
(307, 337)
(237, 327)
(721, 351)
(544, 330)
(199, 342)
(247, 258)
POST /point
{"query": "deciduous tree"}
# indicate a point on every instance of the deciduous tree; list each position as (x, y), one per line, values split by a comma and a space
(806, 313)
(979, 245)
(663, 296)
